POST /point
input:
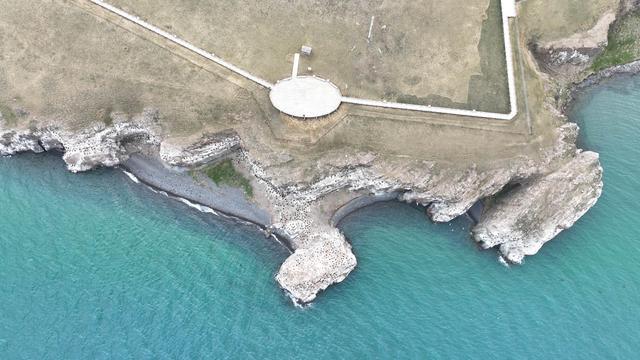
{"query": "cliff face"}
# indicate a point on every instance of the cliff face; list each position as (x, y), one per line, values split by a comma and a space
(208, 148)
(323, 257)
(556, 189)
(525, 218)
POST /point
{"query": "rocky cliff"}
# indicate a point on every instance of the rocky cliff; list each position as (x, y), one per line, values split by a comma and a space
(523, 219)
(555, 190)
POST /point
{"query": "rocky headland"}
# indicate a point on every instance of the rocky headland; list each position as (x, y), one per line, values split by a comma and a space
(305, 176)
(547, 195)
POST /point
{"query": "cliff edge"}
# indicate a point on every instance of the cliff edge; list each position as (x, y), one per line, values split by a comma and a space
(188, 127)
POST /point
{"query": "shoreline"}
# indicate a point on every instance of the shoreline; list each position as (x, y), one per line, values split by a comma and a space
(595, 79)
(358, 203)
(139, 165)
(315, 266)
(226, 202)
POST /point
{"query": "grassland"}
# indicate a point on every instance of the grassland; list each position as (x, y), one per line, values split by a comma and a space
(624, 43)
(69, 64)
(225, 174)
(546, 21)
(424, 52)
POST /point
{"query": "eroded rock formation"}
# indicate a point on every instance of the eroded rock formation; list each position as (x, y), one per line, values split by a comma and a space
(526, 217)
(99, 145)
(556, 190)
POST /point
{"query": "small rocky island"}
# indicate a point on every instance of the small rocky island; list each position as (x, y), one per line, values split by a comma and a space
(120, 96)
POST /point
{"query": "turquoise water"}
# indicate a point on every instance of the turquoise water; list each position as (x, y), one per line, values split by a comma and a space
(94, 266)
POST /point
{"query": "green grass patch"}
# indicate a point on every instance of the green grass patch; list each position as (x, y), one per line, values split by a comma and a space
(224, 173)
(617, 52)
(623, 43)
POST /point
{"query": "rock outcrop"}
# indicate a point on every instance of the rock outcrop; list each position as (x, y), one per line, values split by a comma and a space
(209, 147)
(301, 210)
(15, 141)
(322, 256)
(99, 145)
(525, 218)
(310, 270)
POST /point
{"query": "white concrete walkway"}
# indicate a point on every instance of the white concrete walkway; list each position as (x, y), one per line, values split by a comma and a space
(305, 96)
(426, 108)
(508, 10)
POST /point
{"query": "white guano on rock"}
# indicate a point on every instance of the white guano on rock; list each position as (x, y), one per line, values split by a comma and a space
(209, 147)
(310, 270)
(525, 218)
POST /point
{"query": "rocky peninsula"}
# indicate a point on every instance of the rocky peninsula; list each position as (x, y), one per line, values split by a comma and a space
(564, 184)
(304, 176)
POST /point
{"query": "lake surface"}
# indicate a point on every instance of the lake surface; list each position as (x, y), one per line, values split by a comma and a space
(95, 266)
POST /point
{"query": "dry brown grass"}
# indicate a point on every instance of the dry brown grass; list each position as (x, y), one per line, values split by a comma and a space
(548, 20)
(424, 51)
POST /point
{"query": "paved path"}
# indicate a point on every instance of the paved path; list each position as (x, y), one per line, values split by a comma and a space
(508, 10)
(426, 108)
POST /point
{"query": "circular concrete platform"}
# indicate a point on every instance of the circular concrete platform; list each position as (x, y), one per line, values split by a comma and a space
(305, 96)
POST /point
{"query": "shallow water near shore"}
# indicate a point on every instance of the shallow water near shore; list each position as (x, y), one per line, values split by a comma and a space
(96, 266)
